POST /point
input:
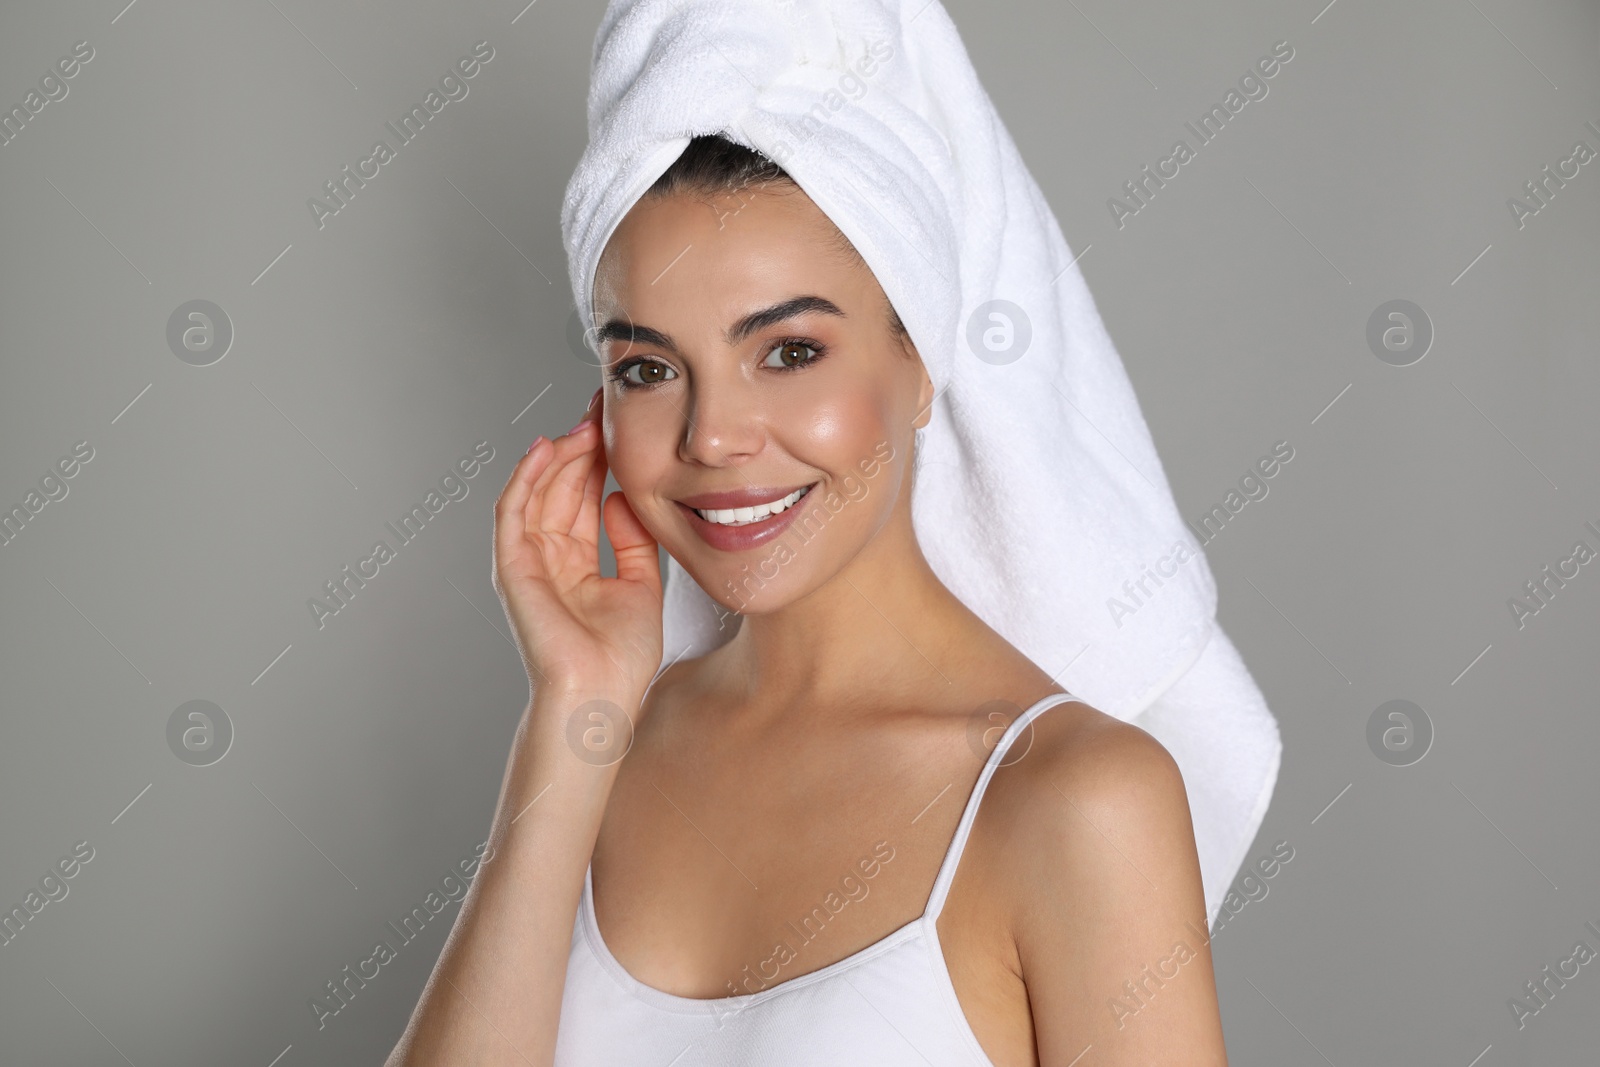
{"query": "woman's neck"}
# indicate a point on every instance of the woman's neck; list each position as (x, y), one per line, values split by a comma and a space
(882, 625)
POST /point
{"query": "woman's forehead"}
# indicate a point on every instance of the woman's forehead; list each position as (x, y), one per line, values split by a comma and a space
(684, 253)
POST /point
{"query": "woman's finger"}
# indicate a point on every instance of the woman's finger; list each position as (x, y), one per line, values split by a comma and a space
(587, 526)
(564, 499)
(564, 450)
(510, 527)
(638, 557)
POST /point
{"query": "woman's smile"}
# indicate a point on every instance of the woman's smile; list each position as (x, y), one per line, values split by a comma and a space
(744, 518)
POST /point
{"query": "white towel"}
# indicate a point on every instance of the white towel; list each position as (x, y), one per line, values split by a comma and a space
(1039, 498)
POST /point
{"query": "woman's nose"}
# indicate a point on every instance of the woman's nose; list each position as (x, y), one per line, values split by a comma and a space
(723, 427)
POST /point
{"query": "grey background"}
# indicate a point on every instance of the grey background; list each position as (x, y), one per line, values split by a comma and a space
(432, 311)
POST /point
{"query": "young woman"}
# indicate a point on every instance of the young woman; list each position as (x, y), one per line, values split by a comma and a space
(865, 829)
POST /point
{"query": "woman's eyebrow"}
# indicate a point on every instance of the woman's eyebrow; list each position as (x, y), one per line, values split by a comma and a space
(787, 309)
(620, 330)
(633, 333)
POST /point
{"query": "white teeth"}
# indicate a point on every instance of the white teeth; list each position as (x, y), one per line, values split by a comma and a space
(745, 516)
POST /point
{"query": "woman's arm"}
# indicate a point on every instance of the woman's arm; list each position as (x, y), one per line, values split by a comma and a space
(495, 995)
(1110, 922)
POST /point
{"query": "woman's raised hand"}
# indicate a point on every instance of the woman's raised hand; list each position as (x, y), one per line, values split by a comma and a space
(575, 628)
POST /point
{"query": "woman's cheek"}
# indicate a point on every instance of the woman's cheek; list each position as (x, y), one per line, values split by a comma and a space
(633, 459)
(836, 431)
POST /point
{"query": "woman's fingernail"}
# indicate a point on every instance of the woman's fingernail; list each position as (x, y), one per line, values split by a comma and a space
(536, 441)
(581, 424)
(596, 396)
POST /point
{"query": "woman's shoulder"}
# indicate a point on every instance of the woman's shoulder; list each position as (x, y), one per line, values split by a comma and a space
(1068, 742)
(1077, 776)
(1090, 754)
(1089, 824)
(1088, 848)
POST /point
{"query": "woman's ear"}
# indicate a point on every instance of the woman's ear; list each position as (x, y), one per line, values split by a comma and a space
(925, 390)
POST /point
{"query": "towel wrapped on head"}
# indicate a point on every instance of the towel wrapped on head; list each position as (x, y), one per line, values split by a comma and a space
(1039, 500)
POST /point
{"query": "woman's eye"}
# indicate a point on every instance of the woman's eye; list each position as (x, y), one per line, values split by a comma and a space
(791, 354)
(649, 373)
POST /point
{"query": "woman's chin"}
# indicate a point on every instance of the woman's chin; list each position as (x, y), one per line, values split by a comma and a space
(739, 590)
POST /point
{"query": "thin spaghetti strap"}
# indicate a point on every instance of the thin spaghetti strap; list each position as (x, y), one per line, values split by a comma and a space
(947, 870)
(659, 672)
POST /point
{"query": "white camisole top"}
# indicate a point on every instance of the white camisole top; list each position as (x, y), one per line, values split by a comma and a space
(890, 1004)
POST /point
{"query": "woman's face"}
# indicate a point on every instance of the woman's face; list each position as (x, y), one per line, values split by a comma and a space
(748, 358)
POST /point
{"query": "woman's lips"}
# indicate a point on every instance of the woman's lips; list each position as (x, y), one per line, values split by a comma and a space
(751, 534)
(747, 497)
